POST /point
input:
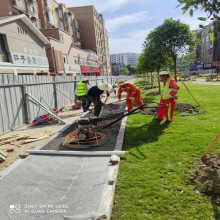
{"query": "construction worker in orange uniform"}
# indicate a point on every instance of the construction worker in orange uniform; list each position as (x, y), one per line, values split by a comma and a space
(132, 92)
(168, 97)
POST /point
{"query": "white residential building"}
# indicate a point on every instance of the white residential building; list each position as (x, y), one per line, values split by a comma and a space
(125, 59)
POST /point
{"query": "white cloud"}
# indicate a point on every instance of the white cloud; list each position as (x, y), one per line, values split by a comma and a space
(100, 5)
(132, 43)
(193, 22)
(117, 22)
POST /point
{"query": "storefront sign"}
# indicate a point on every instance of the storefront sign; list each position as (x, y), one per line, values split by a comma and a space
(29, 60)
(92, 57)
(72, 68)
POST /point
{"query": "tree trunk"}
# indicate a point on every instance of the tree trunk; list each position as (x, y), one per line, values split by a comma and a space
(175, 68)
(151, 79)
(158, 78)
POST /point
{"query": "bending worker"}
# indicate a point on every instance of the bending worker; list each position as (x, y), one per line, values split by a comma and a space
(168, 97)
(95, 93)
(82, 88)
(132, 92)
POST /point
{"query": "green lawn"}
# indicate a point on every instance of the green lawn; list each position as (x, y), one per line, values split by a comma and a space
(152, 180)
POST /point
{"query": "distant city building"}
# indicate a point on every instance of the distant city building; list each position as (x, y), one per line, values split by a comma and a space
(208, 51)
(116, 69)
(94, 35)
(125, 59)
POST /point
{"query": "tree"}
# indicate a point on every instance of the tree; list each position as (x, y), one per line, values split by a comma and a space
(153, 58)
(124, 71)
(141, 67)
(211, 7)
(156, 58)
(131, 69)
(186, 60)
(174, 39)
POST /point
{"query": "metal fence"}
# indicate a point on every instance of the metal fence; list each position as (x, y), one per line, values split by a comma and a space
(16, 111)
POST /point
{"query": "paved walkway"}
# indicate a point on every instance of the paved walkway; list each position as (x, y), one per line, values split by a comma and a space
(208, 83)
(54, 188)
(57, 187)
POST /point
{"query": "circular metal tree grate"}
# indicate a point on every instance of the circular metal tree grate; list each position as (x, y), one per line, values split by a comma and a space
(78, 140)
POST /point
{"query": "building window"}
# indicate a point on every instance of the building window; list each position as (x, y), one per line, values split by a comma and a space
(65, 58)
(61, 38)
(3, 51)
(33, 7)
(20, 4)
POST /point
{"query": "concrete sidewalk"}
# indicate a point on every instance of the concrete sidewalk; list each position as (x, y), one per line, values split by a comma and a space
(58, 187)
(54, 188)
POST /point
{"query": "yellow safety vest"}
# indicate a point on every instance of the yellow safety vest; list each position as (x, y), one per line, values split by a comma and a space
(81, 89)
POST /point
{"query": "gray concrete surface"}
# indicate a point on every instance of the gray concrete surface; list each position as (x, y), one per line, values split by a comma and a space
(43, 185)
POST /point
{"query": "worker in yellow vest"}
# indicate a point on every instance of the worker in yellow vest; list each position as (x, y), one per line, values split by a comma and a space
(168, 97)
(82, 88)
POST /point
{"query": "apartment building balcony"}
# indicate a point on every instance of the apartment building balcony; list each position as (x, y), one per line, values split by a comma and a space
(76, 25)
(78, 44)
(78, 35)
(36, 22)
(61, 25)
(47, 4)
(59, 13)
(68, 17)
(19, 4)
(33, 9)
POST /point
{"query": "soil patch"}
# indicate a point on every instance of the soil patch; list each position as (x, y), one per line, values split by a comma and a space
(153, 93)
(182, 107)
(206, 175)
(187, 109)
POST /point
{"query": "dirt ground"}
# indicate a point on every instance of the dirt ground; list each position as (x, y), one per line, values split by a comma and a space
(206, 175)
(154, 93)
(182, 107)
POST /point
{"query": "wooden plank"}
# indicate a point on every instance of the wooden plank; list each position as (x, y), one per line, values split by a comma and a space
(9, 137)
(3, 153)
(13, 140)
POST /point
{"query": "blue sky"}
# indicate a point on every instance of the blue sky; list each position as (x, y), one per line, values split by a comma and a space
(129, 21)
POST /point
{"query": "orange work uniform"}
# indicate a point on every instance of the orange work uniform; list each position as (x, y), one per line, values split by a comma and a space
(132, 92)
(168, 96)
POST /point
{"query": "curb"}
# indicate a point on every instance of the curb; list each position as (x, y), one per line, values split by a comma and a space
(107, 200)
